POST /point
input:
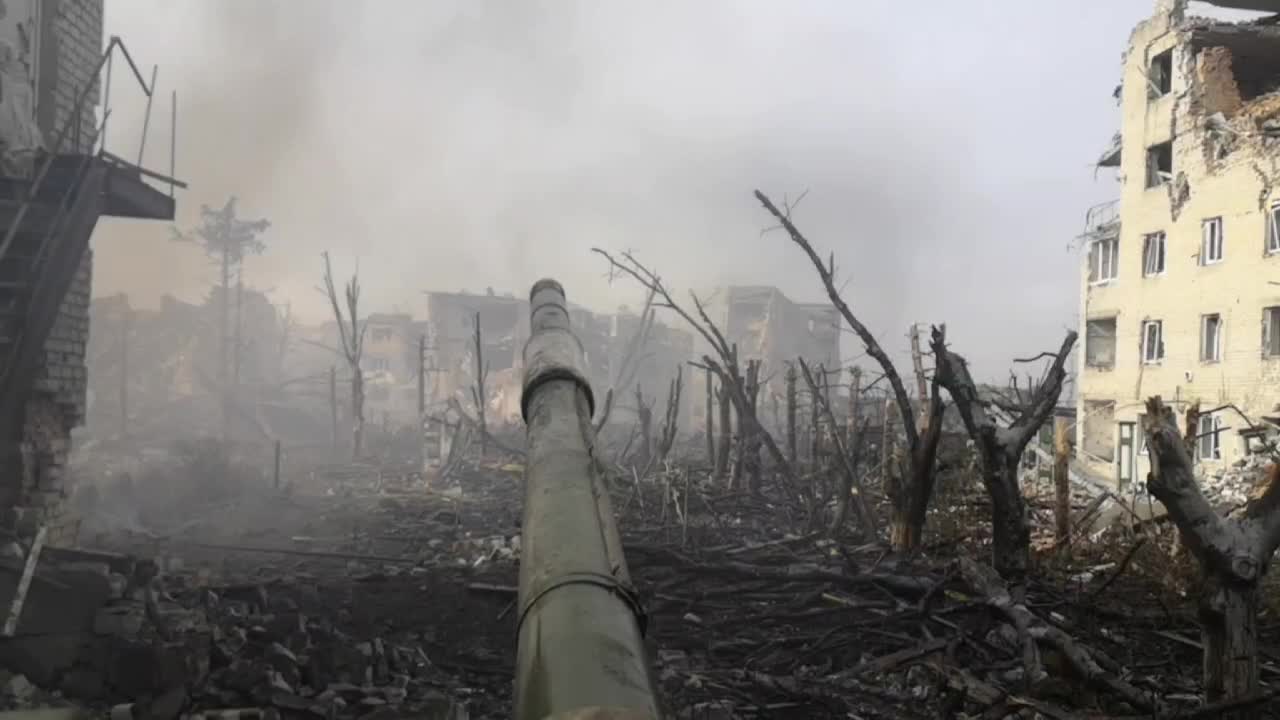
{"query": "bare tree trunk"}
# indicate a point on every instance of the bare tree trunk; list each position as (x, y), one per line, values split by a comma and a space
(1062, 486)
(333, 408)
(752, 437)
(224, 344)
(644, 418)
(726, 431)
(667, 434)
(478, 393)
(855, 390)
(922, 385)
(1233, 554)
(792, 449)
(846, 456)
(126, 321)
(710, 420)
(357, 411)
(913, 492)
(1001, 451)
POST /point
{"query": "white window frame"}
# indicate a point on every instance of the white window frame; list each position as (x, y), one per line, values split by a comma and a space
(1211, 241)
(1270, 326)
(1211, 352)
(1209, 437)
(1273, 229)
(1152, 355)
(1096, 264)
(1141, 436)
(1153, 254)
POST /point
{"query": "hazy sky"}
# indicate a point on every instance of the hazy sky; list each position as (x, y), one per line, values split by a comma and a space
(946, 148)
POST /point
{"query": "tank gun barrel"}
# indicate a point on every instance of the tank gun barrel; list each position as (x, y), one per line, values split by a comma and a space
(580, 625)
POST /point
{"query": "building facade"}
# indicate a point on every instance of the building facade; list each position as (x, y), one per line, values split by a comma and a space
(1180, 288)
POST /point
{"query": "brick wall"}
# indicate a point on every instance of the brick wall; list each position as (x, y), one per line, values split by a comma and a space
(71, 47)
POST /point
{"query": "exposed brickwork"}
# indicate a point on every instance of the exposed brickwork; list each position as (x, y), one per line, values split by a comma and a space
(1216, 83)
(72, 47)
(72, 42)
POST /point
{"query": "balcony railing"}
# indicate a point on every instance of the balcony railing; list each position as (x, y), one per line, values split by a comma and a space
(1102, 219)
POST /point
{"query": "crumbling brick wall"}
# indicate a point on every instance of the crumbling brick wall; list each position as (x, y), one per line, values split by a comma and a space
(1217, 83)
(56, 405)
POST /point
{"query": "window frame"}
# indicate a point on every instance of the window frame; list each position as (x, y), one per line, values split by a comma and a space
(1211, 230)
(1147, 241)
(1272, 246)
(1209, 430)
(1217, 339)
(1089, 339)
(1271, 331)
(1147, 357)
(1160, 75)
(1096, 264)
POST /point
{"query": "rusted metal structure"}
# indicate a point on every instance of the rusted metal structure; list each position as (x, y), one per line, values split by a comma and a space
(580, 626)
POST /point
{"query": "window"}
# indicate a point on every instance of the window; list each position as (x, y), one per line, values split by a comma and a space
(1159, 164)
(1211, 241)
(1271, 331)
(1152, 254)
(1160, 75)
(1209, 438)
(1100, 343)
(1273, 230)
(1104, 258)
(377, 363)
(1210, 338)
(1142, 435)
(1152, 341)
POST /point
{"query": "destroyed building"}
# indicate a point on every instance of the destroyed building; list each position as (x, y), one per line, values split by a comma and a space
(768, 326)
(1178, 297)
(57, 182)
(153, 371)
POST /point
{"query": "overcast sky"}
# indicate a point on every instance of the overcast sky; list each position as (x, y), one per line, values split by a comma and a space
(947, 149)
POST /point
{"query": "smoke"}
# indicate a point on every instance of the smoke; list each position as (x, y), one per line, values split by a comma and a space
(946, 149)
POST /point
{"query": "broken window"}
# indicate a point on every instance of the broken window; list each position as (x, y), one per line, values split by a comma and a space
(1271, 331)
(1273, 229)
(1104, 257)
(1211, 241)
(1159, 164)
(1211, 338)
(1209, 438)
(1160, 75)
(1152, 254)
(1100, 343)
(1152, 341)
(1098, 430)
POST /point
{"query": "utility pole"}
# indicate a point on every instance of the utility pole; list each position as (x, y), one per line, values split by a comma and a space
(126, 322)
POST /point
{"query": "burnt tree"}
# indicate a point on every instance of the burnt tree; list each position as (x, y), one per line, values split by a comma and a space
(478, 393)
(848, 452)
(351, 335)
(724, 365)
(1233, 553)
(915, 489)
(1000, 449)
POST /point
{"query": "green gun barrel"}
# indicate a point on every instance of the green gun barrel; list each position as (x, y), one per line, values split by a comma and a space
(581, 653)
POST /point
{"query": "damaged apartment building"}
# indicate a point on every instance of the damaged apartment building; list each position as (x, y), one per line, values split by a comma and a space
(1181, 286)
(768, 326)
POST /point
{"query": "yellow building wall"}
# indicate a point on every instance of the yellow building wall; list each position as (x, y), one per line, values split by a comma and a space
(1237, 189)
